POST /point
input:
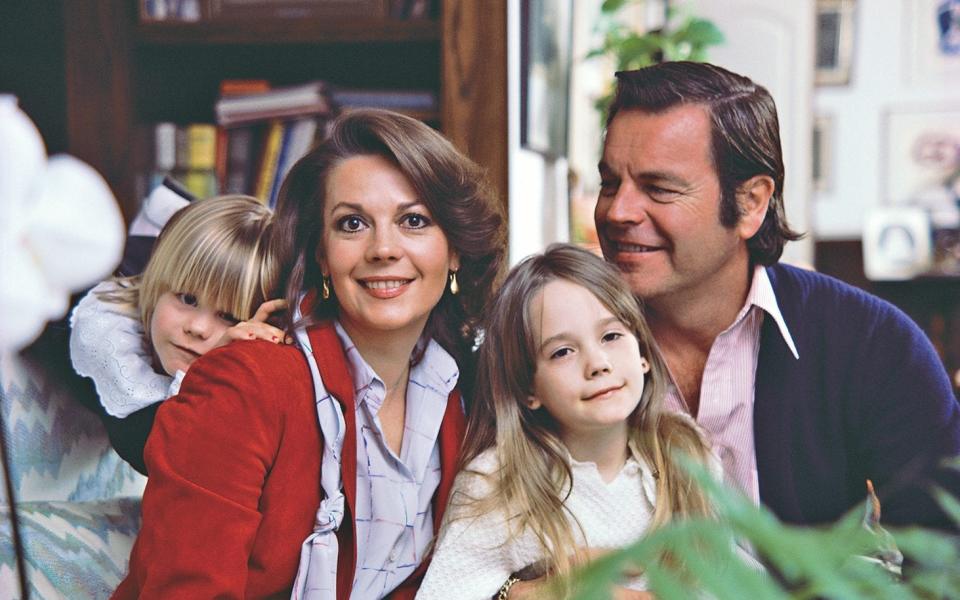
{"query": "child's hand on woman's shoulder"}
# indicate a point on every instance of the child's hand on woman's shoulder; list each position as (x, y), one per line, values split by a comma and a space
(257, 328)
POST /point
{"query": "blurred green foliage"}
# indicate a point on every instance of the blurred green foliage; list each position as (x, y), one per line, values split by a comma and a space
(688, 39)
(837, 561)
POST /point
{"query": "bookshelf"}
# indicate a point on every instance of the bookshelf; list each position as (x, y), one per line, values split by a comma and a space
(124, 75)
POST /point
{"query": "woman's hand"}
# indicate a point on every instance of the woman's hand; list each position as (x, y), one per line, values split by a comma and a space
(257, 327)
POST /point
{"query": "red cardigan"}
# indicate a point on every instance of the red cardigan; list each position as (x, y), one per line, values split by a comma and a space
(234, 485)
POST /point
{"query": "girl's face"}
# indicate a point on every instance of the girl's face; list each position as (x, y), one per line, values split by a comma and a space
(589, 371)
(183, 328)
(386, 257)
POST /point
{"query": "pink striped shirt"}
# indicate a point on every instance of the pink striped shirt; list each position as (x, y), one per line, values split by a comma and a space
(727, 387)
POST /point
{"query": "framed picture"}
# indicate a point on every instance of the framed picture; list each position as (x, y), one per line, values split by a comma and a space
(922, 165)
(933, 41)
(834, 41)
(545, 59)
(822, 144)
(896, 243)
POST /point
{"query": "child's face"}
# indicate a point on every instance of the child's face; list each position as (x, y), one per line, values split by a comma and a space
(590, 373)
(183, 327)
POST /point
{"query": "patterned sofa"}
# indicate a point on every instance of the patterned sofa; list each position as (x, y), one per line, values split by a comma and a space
(77, 501)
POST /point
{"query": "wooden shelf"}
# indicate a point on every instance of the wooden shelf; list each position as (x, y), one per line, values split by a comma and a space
(123, 75)
(293, 31)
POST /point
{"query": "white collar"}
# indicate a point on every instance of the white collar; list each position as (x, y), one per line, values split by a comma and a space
(762, 296)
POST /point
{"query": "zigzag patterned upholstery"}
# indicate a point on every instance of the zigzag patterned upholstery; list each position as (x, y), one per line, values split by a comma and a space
(78, 502)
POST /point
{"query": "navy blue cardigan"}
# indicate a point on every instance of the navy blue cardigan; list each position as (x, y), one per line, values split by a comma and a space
(868, 398)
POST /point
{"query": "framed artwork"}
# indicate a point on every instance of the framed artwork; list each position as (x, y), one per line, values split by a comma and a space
(545, 59)
(834, 41)
(933, 41)
(922, 164)
(896, 243)
(822, 144)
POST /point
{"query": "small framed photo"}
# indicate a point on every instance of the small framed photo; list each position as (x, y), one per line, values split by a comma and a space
(896, 243)
(834, 41)
(545, 60)
(933, 42)
(822, 144)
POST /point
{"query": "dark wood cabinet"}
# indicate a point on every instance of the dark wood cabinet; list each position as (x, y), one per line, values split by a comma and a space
(123, 75)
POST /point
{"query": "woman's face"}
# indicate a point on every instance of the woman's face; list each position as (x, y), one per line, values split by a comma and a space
(386, 257)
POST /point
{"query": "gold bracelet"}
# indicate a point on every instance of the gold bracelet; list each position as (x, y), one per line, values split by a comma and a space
(505, 588)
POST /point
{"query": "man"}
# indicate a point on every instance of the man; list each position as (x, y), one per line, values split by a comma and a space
(808, 387)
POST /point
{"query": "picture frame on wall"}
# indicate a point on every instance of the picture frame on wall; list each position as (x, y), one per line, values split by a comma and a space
(545, 61)
(933, 42)
(822, 147)
(833, 51)
(922, 157)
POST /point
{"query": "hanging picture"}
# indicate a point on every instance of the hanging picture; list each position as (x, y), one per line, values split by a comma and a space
(834, 42)
(923, 157)
(822, 148)
(545, 59)
(933, 46)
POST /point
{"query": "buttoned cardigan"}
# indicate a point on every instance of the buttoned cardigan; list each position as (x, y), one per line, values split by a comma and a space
(868, 398)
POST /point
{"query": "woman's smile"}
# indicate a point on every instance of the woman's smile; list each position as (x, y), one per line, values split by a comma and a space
(386, 258)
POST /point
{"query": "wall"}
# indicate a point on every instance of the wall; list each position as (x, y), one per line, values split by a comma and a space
(538, 185)
(884, 76)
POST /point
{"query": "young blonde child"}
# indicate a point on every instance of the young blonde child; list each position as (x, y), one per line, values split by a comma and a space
(208, 282)
(567, 447)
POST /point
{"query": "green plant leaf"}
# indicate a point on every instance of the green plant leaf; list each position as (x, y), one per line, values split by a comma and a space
(701, 32)
(612, 6)
(950, 505)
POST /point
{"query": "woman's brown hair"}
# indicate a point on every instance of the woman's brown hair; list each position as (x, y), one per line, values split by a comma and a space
(450, 185)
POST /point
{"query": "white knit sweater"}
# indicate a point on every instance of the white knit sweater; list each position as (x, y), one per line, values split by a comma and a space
(474, 558)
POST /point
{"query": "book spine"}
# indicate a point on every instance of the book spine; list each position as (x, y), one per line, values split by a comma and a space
(240, 147)
(281, 159)
(201, 183)
(165, 147)
(220, 167)
(201, 146)
(268, 164)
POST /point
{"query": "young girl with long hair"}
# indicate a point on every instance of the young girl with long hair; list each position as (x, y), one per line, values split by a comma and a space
(209, 281)
(567, 451)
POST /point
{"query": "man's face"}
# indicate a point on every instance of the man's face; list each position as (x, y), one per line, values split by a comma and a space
(658, 214)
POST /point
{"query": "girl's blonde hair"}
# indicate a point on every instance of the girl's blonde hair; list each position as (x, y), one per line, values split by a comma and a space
(219, 249)
(534, 476)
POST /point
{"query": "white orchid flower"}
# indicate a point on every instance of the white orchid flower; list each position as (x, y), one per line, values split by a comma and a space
(60, 229)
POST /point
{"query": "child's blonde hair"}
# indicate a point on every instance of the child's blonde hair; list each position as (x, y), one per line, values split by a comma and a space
(219, 249)
(534, 477)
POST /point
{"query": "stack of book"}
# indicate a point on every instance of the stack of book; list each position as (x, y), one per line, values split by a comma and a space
(186, 153)
(264, 132)
(420, 104)
(259, 134)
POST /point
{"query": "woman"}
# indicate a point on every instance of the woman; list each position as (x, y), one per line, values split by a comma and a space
(397, 245)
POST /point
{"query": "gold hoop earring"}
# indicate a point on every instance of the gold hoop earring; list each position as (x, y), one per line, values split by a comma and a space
(454, 287)
(326, 287)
